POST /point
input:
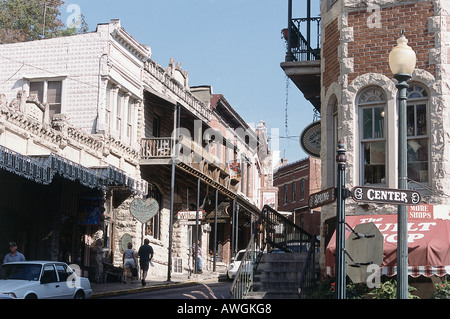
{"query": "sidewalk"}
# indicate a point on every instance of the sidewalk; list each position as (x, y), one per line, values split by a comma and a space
(177, 280)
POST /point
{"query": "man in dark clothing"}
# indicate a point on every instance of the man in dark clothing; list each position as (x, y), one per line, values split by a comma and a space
(145, 256)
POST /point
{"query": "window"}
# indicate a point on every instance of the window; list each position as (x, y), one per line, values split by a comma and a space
(108, 107)
(49, 274)
(372, 104)
(332, 139)
(302, 189)
(294, 190)
(63, 272)
(48, 92)
(417, 132)
(119, 113)
(130, 120)
(285, 194)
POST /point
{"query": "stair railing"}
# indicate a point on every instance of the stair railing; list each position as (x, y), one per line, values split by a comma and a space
(271, 232)
(310, 273)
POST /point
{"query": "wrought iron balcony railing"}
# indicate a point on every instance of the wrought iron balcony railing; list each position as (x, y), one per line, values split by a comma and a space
(300, 45)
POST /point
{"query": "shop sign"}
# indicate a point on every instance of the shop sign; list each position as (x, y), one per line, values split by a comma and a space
(189, 214)
(310, 139)
(424, 211)
(144, 210)
(385, 195)
(189, 217)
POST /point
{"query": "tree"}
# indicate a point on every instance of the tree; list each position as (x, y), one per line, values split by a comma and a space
(23, 20)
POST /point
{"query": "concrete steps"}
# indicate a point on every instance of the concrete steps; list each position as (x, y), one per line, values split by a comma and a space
(278, 276)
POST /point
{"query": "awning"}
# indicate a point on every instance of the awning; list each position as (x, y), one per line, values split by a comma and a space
(42, 169)
(428, 244)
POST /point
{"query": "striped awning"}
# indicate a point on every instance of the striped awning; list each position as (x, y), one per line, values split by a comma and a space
(428, 244)
(42, 169)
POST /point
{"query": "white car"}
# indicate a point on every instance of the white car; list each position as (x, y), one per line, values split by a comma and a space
(42, 280)
(236, 263)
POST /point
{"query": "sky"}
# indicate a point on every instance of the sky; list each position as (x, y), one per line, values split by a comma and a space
(235, 46)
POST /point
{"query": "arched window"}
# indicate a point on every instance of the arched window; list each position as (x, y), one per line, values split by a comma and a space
(417, 131)
(372, 132)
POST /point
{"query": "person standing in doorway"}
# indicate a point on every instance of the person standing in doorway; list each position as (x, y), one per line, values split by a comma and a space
(129, 262)
(199, 256)
(13, 254)
(145, 257)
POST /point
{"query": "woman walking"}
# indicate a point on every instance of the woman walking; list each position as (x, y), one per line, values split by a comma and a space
(129, 262)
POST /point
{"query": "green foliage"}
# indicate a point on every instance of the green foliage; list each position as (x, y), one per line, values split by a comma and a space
(388, 290)
(442, 291)
(23, 20)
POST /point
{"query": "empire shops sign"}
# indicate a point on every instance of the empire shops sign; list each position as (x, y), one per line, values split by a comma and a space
(385, 195)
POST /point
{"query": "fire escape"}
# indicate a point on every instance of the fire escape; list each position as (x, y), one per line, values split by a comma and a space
(302, 63)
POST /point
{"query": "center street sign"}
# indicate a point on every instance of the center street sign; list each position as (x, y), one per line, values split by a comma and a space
(385, 195)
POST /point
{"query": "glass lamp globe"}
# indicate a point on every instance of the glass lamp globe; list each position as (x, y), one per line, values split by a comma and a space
(402, 59)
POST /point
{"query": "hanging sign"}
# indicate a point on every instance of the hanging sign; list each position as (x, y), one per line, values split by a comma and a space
(144, 210)
(189, 217)
(310, 139)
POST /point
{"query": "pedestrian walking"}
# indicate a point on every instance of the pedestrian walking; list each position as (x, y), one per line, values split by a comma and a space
(129, 262)
(145, 257)
(13, 254)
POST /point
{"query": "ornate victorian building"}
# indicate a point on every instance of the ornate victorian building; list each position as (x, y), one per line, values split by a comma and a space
(88, 124)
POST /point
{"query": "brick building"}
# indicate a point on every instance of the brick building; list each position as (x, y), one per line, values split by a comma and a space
(357, 98)
(295, 182)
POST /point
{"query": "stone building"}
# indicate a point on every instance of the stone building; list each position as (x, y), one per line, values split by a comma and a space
(357, 98)
(90, 124)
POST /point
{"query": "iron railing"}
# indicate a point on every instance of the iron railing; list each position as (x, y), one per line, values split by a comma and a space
(310, 273)
(301, 48)
(271, 232)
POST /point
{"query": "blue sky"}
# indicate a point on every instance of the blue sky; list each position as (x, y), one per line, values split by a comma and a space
(233, 45)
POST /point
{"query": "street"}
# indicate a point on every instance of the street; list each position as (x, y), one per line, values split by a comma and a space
(219, 290)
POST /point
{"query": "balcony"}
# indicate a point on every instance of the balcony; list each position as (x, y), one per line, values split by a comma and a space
(192, 158)
(302, 62)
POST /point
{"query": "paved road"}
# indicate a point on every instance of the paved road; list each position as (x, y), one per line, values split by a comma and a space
(220, 290)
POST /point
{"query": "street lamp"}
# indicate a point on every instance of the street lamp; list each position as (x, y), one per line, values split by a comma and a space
(402, 61)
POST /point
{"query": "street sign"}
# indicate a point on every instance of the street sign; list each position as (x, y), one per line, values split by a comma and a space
(385, 195)
(324, 197)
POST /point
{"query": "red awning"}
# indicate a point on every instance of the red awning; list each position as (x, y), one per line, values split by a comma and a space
(428, 244)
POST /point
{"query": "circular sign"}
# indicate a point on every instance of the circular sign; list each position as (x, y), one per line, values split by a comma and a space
(310, 139)
(144, 211)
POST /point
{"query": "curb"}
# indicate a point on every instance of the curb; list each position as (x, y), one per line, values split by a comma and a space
(152, 287)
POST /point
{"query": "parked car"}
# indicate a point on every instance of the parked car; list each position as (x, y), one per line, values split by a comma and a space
(42, 280)
(236, 263)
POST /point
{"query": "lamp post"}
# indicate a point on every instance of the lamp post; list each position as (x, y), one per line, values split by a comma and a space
(402, 61)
